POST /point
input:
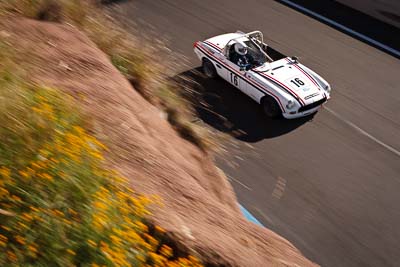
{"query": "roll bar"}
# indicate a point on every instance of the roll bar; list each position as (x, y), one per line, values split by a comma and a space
(257, 35)
(254, 34)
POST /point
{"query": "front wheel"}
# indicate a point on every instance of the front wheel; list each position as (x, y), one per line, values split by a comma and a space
(271, 107)
(209, 69)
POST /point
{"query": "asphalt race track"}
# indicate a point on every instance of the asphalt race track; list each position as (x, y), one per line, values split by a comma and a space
(329, 183)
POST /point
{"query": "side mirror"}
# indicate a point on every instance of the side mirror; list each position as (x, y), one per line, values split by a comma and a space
(295, 59)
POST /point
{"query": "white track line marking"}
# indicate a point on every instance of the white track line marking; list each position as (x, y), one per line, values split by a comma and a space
(363, 132)
(344, 28)
(239, 182)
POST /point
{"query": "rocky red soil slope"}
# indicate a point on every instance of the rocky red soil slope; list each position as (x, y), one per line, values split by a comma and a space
(200, 209)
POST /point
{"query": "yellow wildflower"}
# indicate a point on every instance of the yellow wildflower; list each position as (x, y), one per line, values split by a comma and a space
(29, 172)
(166, 251)
(96, 155)
(151, 240)
(58, 213)
(99, 221)
(22, 225)
(5, 172)
(3, 192)
(71, 252)
(103, 246)
(45, 110)
(115, 240)
(24, 174)
(35, 165)
(69, 222)
(11, 256)
(72, 211)
(46, 176)
(20, 239)
(16, 198)
(142, 226)
(122, 195)
(5, 228)
(157, 259)
(33, 248)
(159, 229)
(27, 217)
(54, 160)
(79, 130)
(91, 243)
(141, 258)
(100, 205)
(34, 209)
(3, 238)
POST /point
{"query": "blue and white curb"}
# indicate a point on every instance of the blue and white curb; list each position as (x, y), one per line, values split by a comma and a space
(249, 216)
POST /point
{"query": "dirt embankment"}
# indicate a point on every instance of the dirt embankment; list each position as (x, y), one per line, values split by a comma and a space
(200, 208)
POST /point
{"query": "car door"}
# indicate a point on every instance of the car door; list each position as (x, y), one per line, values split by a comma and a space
(230, 71)
(252, 88)
(221, 66)
(242, 80)
(235, 76)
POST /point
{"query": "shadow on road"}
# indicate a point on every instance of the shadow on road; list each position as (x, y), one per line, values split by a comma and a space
(228, 110)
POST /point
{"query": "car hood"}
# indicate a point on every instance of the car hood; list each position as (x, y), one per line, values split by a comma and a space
(292, 78)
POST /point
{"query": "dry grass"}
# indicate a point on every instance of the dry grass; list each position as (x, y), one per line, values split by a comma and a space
(148, 67)
(74, 11)
(140, 63)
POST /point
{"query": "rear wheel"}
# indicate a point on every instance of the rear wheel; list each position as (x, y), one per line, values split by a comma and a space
(209, 69)
(271, 107)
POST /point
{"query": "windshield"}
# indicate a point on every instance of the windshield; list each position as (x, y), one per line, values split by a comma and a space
(256, 56)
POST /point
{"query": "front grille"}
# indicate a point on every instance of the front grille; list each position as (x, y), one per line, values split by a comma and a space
(313, 105)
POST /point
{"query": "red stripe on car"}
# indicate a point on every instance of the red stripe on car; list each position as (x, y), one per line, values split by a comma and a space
(283, 85)
(213, 45)
(305, 73)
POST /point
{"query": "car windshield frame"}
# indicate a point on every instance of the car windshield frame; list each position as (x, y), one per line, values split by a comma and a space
(259, 58)
(254, 38)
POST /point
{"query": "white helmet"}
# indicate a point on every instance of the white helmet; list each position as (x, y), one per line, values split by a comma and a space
(241, 48)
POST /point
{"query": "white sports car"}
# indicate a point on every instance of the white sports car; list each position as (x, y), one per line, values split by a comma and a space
(282, 87)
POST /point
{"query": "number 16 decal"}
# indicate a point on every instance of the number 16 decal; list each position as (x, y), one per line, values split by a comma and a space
(234, 79)
(297, 82)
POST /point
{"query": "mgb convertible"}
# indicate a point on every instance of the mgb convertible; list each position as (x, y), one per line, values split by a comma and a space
(282, 87)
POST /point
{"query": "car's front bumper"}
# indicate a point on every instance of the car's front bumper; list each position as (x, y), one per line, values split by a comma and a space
(301, 114)
(309, 109)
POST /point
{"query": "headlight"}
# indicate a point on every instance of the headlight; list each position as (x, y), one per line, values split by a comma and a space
(328, 88)
(290, 104)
